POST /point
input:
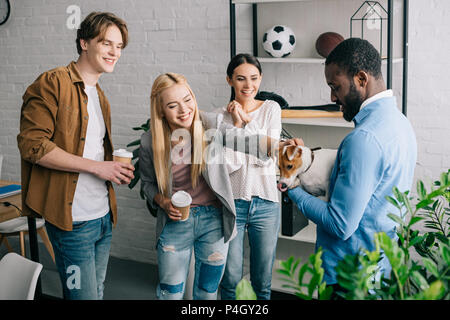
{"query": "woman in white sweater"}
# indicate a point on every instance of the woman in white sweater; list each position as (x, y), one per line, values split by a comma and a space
(253, 181)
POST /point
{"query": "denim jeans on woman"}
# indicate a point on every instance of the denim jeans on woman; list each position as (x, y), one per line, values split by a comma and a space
(81, 257)
(261, 218)
(203, 231)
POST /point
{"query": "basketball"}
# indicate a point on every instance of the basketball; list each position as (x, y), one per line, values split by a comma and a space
(326, 42)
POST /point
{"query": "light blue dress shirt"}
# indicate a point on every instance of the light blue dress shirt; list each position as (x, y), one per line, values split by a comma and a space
(379, 154)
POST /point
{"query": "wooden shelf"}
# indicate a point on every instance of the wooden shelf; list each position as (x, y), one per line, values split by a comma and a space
(292, 60)
(325, 122)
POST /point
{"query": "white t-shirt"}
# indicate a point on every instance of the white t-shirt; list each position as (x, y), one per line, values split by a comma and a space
(91, 194)
(249, 175)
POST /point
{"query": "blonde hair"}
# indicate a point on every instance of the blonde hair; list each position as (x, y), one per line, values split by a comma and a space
(161, 133)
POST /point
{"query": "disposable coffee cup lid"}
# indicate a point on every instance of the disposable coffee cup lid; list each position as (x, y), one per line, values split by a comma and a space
(181, 199)
(123, 153)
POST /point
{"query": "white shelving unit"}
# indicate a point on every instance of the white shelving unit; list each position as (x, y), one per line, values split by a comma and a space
(264, 1)
(310, 60)
(292, 60)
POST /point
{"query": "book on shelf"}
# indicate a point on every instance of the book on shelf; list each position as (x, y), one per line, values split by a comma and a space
(286, 113)
(10, 190)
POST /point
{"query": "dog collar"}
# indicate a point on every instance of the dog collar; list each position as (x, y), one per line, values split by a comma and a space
(312, 157)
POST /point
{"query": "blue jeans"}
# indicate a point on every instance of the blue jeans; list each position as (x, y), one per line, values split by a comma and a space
(261, 218)
(203, 231)
(81, 257)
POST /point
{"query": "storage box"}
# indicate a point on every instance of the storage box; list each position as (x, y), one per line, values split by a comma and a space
(292, 219)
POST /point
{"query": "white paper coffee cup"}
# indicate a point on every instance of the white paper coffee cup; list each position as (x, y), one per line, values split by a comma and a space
(122, 155)
(182, 200)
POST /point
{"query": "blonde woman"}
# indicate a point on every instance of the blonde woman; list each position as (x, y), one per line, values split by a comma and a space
(176, 154)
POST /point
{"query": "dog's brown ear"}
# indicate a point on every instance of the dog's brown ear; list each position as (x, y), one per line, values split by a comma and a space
(293, 151)
(299, 151)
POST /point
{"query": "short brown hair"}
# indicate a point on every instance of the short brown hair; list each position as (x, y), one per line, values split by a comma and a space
(96, 24)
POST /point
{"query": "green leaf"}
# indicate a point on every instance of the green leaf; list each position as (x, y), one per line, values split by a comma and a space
(421, 190)
(244, 290)
(435, 291)
(284, 272)
(302, 272)
(414, 220)
(436, 193)
(430, 239)
(295, 266)
(286, 265)
(415, 240)
(420, 281)
(313, 284)
(395, 218)
(325, 292)
(302, 296)
(445, 253)
(393, 201)
(443, 238)
(145, 126)
(397, 194)
(423, 203)
(431, 266)
(134, 143)
(373, 256)
(445, 176)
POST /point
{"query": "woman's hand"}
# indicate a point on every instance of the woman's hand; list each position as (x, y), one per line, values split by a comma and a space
(166, 205)
(244, 116)
(239, 116)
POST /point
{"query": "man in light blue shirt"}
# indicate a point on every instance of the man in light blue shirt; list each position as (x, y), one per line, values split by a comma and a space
(379, 154)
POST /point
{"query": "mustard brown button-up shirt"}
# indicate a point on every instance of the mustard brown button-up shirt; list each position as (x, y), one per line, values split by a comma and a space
(54, 113)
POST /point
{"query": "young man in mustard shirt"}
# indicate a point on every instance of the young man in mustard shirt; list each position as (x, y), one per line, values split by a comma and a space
(66, 150)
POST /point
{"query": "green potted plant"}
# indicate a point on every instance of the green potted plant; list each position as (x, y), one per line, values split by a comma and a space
(409, 279)
(144, 127)
(137, 175)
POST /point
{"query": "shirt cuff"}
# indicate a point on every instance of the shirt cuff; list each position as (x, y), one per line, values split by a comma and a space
(297, 194)
(40, 150)
(309, 205)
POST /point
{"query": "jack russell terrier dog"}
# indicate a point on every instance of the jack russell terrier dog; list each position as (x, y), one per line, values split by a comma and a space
(310, 168)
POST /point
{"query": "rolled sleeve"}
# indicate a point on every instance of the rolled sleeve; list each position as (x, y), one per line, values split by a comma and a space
(234, 138)
(38, 118)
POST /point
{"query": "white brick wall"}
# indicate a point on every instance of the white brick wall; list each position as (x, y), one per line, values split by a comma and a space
(192, 37)
(429, 96)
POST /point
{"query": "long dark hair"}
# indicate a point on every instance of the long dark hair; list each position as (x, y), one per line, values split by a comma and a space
(236, 61)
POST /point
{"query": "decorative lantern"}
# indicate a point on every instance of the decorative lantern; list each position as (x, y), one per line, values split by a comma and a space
(373, 19)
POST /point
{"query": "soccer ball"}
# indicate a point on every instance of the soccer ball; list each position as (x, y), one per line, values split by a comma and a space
(279, 41)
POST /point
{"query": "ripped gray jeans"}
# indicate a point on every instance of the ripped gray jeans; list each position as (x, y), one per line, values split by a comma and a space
(203, 232)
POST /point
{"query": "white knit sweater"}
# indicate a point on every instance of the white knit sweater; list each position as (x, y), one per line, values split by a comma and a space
(249, 175)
